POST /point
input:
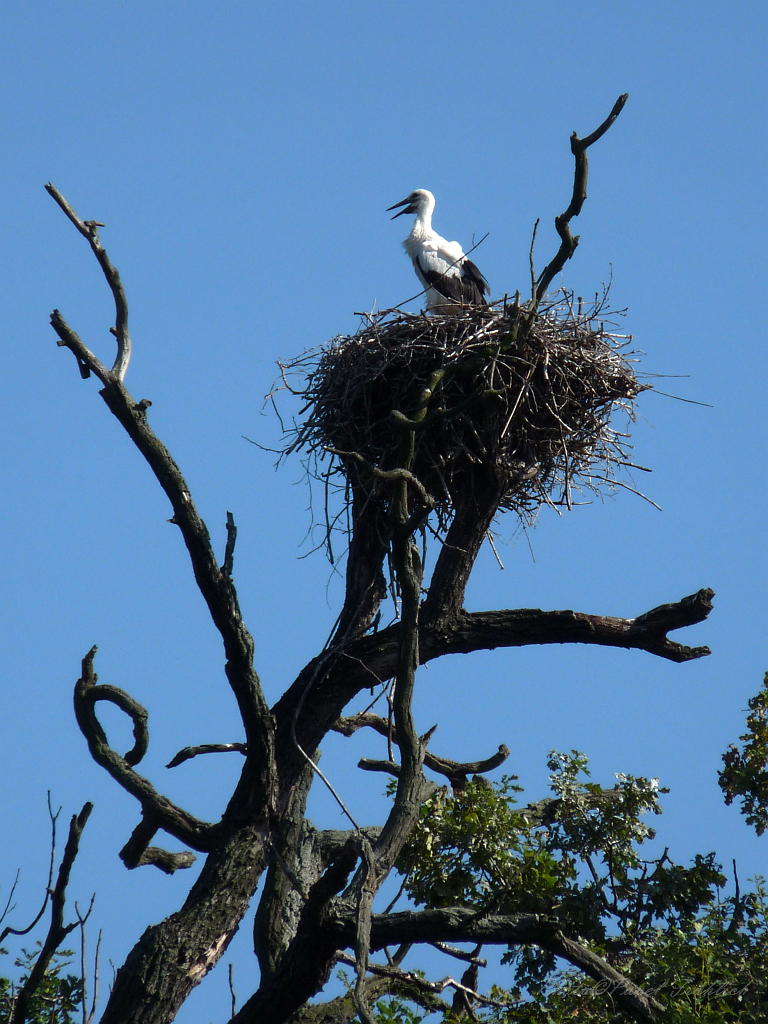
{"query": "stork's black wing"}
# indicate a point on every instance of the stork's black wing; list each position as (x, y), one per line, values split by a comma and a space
(461, 283)
(474, 285)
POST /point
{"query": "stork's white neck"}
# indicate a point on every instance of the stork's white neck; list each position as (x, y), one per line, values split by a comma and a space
(422, 225)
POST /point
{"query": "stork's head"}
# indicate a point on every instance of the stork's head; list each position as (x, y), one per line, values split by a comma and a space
(418, 201)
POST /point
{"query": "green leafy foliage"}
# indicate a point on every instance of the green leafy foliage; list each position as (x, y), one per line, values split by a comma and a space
(57, 997)
(745, 773)
(577, 858)
(393, 1010)
(711, 970)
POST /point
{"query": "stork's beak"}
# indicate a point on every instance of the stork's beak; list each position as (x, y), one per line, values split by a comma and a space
(409, 207)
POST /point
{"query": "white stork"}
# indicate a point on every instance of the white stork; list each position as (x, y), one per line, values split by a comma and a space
(450, 280)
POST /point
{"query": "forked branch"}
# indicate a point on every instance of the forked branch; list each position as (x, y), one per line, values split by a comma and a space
(9, 929)
(456, 771)
(57, 931)
(568, 242)
(374, 656)
(215, 583)
(90, 230)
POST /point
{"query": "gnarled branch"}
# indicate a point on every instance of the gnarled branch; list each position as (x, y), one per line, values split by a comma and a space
(456, 771)
(375, 655)
(137, 852)
(216, 585)
(157, 809)
(568, 241)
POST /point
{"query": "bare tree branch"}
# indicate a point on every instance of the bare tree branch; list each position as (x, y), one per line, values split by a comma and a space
(89, 229)
(216, 586)
(454, 770)
(375, 655)
(57, 931)
(648, 632)
(205, 748)
(370, 764)
(86, 360)
(137, 853)
(460, 924)
(460, 954)
(229, 552)
(88, 1015)
(232, 996)
(217, 589)
(158, 811)
(198, 934)
(8, 930)
(568, 241)
(81, 922)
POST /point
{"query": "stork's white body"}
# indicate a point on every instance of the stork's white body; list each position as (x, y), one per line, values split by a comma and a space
(451, 280)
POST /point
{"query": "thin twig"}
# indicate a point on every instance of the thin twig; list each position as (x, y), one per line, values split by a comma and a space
(489, 535)
(232, 988)
(51, 864)
(531, 263)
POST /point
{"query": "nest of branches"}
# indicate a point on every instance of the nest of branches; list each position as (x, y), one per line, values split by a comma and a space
(531, 397)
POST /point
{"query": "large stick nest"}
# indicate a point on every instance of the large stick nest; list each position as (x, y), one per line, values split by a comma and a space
(532, 400)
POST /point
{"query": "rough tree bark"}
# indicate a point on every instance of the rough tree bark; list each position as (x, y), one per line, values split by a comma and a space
(316, 908)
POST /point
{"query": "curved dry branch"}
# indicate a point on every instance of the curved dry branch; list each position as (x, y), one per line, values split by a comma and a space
(198, 934)
(132, 708)
(156, 808)
(375, 655)
(89, 229)
(568, 241)
(456, 771)
(215, 584)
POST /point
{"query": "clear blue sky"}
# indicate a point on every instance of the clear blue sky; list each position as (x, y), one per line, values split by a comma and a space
(242, 157)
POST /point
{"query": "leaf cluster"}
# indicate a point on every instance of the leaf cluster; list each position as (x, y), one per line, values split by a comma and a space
(56, 998)
(745, 773)
(576, 858)
(710, 969)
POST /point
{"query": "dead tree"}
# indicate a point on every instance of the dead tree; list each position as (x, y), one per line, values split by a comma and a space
(448, 420)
